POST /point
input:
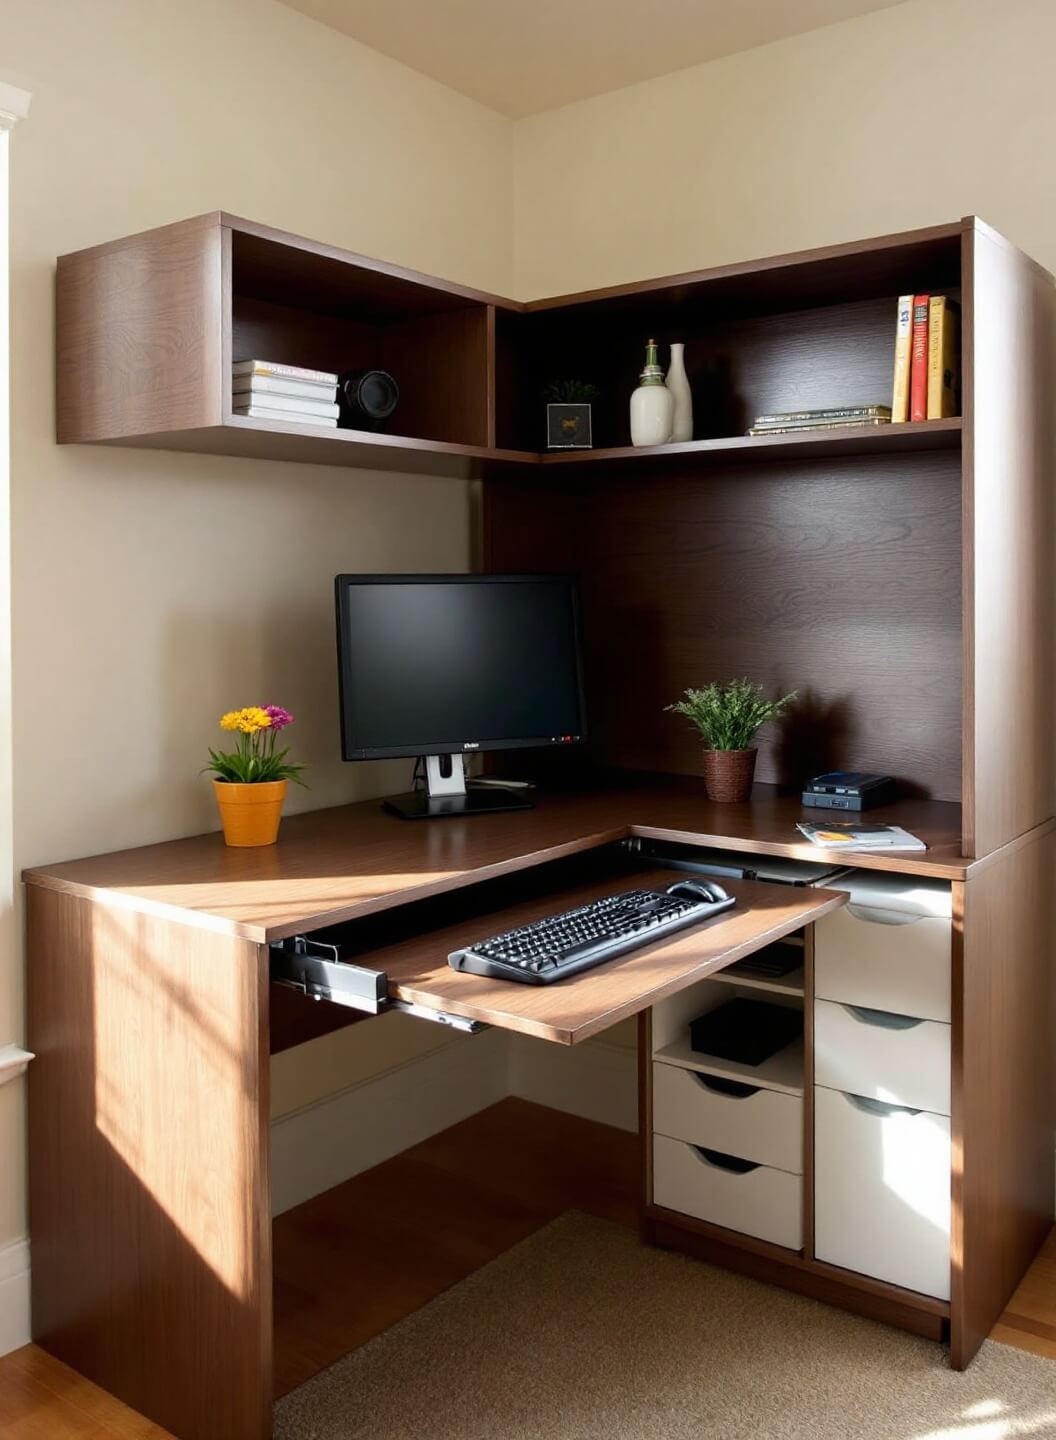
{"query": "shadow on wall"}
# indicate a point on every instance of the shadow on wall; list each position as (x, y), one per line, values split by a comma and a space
(285, 656)
(814, 736)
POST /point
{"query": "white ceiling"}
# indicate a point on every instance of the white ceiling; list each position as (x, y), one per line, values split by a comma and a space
(521, 56)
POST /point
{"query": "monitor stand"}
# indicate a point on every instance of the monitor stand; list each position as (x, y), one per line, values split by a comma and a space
(445, 795)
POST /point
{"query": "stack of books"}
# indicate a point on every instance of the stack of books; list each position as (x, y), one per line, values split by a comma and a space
(264, 390)
(927, 382)
(841, 417)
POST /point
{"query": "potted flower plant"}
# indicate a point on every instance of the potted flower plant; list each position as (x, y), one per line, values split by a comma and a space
(251, 780)
(727, 717)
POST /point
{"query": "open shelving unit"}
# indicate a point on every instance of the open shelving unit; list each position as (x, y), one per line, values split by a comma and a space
(147, 327)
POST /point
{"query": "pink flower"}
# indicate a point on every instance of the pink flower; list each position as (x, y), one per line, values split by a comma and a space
(279, 717)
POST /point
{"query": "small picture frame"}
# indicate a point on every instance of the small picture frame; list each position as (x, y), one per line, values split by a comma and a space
(568, 427)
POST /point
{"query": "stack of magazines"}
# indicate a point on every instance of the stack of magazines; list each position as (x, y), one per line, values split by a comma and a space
(266, 390)
(853, 835)
(793, 422)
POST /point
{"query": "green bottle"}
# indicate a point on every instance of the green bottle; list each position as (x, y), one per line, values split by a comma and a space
(652, 404)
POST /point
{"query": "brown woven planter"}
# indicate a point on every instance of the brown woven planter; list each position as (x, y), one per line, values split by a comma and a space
(728, 774)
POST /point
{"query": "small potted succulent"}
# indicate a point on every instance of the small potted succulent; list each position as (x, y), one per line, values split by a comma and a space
(727, 718)
(568, 424)
(251, 780)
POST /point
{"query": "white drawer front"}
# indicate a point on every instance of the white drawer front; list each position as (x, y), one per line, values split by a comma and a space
(762, 1126)
(763, 1202)
(886, 959)
(882, 1191)
(882, 1056)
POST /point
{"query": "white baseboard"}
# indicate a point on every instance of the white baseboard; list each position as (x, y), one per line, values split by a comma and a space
(317, 1148)
(14, 1296)
(598, 1080)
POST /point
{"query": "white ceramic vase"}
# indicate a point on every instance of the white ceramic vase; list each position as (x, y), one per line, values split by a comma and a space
(652, 404)
(682, 420)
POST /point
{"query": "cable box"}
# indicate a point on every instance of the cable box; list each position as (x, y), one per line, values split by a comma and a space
(849, 790)
(746, 1031)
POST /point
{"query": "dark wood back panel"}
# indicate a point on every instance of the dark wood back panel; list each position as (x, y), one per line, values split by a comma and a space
(738, 365)
(439, 360)
(841, 582)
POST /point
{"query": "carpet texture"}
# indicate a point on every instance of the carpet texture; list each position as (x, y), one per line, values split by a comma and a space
(581, 1333)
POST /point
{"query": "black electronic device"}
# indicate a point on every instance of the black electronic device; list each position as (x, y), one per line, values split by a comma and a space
(562, 945)
(745, 1031)
(442, 666)
(849, 790)
(366, 398)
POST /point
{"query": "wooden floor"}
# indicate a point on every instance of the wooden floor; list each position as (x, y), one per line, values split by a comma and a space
(352, 1262)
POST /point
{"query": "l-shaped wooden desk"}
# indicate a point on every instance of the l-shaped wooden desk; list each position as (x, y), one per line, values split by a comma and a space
(149, 1011)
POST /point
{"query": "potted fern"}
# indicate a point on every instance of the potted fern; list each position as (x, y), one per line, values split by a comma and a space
(727, 718)
(568, 414)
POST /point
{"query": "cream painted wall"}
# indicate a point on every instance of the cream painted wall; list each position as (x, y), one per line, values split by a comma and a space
(151, 591)
(910, 116)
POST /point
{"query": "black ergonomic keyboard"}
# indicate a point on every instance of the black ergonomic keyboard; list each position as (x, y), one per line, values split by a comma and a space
(562, 945)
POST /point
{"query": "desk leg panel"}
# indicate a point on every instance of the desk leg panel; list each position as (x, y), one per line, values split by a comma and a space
(1004, 1095)
(149, 1156)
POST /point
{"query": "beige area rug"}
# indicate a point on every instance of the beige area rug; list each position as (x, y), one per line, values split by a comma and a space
(581, 1333)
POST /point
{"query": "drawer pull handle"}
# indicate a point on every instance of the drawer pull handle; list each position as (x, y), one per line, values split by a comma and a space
(732, 1163)
(879, 1107)
(721, 1086)
(882, 1019)
(872, 916)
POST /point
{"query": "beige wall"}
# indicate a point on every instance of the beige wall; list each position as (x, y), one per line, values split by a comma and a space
(153, 591)
(910, 116)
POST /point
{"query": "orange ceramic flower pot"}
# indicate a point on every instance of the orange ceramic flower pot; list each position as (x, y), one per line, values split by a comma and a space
(250, 814)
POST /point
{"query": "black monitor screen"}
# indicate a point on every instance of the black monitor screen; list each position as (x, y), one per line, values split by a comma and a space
(436, 664)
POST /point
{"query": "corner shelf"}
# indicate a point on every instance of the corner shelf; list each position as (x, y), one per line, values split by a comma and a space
(863, 440)
(158, 375)
(318, 445)
(359, 449)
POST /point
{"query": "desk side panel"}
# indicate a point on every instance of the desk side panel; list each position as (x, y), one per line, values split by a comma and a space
(139, 334)
(1009, 351)
(149, 1162)
(1004, 1096)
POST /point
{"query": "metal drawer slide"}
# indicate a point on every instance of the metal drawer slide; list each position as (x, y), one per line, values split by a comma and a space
(316, 969)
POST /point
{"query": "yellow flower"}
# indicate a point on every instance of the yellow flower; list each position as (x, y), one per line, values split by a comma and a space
(252, 719)
(229, 721)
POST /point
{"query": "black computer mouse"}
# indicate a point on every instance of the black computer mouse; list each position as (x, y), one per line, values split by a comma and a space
(698, 890)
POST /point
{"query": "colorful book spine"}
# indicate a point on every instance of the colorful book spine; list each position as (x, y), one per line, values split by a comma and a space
(903, 342)
(943, 358)
(918, 367)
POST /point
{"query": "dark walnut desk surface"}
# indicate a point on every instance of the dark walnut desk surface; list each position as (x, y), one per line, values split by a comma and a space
(351, 863)
(335, 865)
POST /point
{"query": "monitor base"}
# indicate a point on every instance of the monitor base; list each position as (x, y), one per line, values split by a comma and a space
(420, 805)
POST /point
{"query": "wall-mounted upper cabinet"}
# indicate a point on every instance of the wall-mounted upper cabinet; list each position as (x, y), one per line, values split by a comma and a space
(798, 332)
(148, 327)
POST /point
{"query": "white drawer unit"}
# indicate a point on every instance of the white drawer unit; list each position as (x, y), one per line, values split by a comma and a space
(888, 948)
(729, 1116)
(882, 1191)
(882, 1056)
(757, 1201)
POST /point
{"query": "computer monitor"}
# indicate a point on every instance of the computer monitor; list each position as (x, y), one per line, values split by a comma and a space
(442, 666)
